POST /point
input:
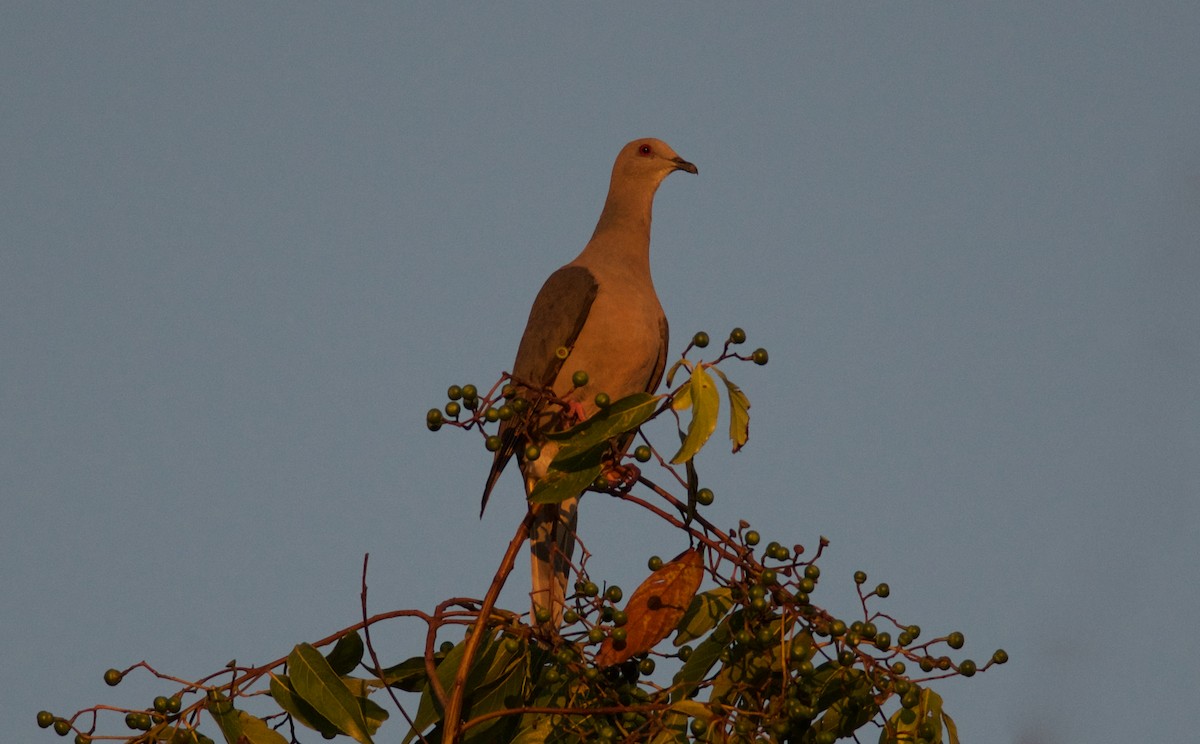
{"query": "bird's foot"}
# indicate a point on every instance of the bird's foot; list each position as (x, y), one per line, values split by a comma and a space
(621, 478)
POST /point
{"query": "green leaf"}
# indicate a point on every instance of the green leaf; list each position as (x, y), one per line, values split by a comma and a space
(558, 485)
(303, 713)
(346, 654)
(671, 372)
(706, 402)
(315, 681)
(238, 726)
(622, 416)
(493, 664)
(706, 610)
(696, 668)
(683, 397)
(739, 413)
(409, 675)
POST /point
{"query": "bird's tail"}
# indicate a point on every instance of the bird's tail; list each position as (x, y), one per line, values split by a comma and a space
(551, 543)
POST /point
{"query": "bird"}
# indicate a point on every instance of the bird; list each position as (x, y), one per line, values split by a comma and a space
(601, 309)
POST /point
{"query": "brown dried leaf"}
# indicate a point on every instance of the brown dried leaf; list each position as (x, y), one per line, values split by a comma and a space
(656, 607)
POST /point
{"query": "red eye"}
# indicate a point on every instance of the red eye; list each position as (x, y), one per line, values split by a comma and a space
(644, 150)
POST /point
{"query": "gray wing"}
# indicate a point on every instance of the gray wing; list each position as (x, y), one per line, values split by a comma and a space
(557, 317)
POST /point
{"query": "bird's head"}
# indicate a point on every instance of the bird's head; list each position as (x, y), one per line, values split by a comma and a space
(649, 161)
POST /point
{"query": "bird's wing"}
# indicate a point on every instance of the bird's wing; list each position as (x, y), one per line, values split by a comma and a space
(557, 317)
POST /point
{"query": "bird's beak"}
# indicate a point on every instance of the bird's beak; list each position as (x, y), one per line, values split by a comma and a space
(683, 165)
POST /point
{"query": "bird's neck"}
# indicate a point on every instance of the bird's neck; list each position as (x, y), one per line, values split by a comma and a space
(626, 216)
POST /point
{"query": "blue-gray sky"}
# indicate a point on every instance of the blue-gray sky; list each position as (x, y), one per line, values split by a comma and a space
(244, 248)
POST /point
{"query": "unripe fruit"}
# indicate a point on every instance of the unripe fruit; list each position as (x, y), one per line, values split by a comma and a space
(700, 340)
(470, 391)
(737, 336)
(1000, 657)
(752, 538)
(590, 589)
(454, 392)
(579, 379)
(646, 666)
(595, 635)
(927, 663)
(532, 452)
(433, 420)
(45, 719)
(493, 443)
(570, 617)
(613, 593)
(112, 677)
(62, 727)
(837, 628)
(882, 591)
(160, 704)
(453, 409)
(955, 640)
(174, 704)
(883, 641)
(698, 726)
(504, 412)
(519, 405)
(491, 415)
(760, 356)
(82, 739)
(812, 571)
(768, 577)
(602, 400)
(704, 496)
(654, 563)
(898, 668)
(860, 577)
(446, 647)
(619, 635)
(542, 615)
(967, 668)
(642, 454)
(620, 617)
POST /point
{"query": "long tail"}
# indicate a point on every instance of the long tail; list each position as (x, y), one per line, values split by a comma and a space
(551, 544)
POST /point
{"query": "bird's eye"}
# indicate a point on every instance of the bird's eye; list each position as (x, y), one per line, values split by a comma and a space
(644, 150)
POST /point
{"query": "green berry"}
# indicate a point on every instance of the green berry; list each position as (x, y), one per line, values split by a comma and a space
(570, 617)
(898, 668)
(504, 412)
(595, 635)
(955, 640)
(882, 591)
(553, 676)
(646, 666)
(160, 704)
(434, 419)
(620, 618)
(944, 663)
(812, 571)
(45, 719)
(519, 405)
(453, 409)
(860, 577)
(590, 589)
(82, 739)
(654, 563)
(1000, 657)
(768, 577)
(619, 635)
(914, 631)
(174, 704)
(470, 391)
(704, 496)
(684, 653)
(700, 340)
(642, 454)
(446, 647)
(752, 538)
(579, 379)
(613, 593)
(532, 452)
(927, 664)
(542, 615)
(967, 668)
(131, 721)
(760, 356)
(112, 677)
(837, 628)
(454, 392)
(602, 400)
(883, 641)
(493, 443)
(698, 726)
(62, 726)
(491, 415)
(737, 336)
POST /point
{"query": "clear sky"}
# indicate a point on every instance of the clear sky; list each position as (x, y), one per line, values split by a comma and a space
(243, 249)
